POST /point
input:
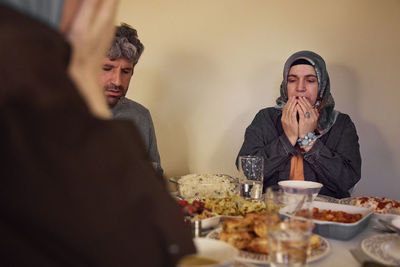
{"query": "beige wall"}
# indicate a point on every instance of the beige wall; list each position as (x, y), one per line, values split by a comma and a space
(210, 65)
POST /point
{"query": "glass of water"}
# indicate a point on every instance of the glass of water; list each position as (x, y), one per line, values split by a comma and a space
(288, 241)
(251, 170)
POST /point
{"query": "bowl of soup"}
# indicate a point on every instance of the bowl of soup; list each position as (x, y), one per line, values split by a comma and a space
(210, 253)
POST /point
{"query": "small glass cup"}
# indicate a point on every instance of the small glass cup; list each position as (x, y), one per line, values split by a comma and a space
(288, 241)
(196, 228)
(251, 170)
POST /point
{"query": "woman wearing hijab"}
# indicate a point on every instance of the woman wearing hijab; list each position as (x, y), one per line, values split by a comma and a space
(303, 137)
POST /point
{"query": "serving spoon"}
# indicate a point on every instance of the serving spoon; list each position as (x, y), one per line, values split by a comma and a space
(389, 226)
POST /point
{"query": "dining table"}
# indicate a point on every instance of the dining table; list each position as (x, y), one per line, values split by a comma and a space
(346, 252)
(341, 251)
(340, 254)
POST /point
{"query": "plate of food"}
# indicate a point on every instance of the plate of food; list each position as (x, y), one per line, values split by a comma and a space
(205, 211)
(380, 205)
(249, 235)
(384, 248)
(384, 209)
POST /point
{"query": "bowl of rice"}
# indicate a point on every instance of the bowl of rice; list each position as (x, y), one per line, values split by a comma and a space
(200, 186)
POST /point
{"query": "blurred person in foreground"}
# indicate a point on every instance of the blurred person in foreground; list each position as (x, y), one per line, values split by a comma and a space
(303, 137)
(76, 188)
(118, 68)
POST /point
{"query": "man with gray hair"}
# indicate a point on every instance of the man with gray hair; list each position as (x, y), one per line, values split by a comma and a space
(118, 68)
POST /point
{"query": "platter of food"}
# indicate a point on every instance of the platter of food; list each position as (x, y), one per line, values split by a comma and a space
(383, 208)
(338, 221)
(212, 210)
(249, 235)
(380, 205)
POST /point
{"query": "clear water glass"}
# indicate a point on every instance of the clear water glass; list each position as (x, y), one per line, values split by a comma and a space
(251, 170)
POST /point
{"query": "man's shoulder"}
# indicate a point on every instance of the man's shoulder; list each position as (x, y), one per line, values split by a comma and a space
(131, 104)
(132, 110)
(128, 106)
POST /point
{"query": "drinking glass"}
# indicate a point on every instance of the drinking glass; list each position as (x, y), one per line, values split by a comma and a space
(251, 170)
(288, 241)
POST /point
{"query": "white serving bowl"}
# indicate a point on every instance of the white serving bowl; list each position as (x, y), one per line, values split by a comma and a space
(337, 230)
(219, 251)
(301, 187)
(341, 231)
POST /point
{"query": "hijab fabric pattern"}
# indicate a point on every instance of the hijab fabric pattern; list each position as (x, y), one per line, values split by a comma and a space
(325, 102)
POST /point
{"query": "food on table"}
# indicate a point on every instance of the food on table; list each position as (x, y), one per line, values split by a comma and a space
(240, 240)
(333, 216)
(207, 185)
(234, 205)
(195, 209)
(379, 205)
(250, 233)
(190, 209)
(228, 206)
(205, 214)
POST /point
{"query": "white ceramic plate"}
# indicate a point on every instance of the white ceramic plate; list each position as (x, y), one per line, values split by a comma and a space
(384, 248)
(259, 258)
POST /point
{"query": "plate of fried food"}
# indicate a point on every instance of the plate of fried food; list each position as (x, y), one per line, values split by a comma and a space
(249, 235)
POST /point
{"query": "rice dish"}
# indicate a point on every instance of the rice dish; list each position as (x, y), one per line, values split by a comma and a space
(207, 185)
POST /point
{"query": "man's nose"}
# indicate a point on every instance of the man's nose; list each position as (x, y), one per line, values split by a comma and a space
(116, 79)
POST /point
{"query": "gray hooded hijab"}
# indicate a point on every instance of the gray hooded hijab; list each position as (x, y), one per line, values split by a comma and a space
(47, 11)
(325, 102)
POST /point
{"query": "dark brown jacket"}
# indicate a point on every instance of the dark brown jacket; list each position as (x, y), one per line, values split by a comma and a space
(74, 190)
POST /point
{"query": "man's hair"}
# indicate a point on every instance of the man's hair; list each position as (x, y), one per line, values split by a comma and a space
(126, 44)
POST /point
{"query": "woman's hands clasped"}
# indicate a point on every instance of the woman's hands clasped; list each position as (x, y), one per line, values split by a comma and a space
(308, 118)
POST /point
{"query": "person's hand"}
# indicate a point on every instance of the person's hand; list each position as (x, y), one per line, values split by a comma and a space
(289, 121)
(90, 36)
(308, 117)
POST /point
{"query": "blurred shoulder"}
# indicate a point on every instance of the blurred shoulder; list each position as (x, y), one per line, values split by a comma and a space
(129, 103)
